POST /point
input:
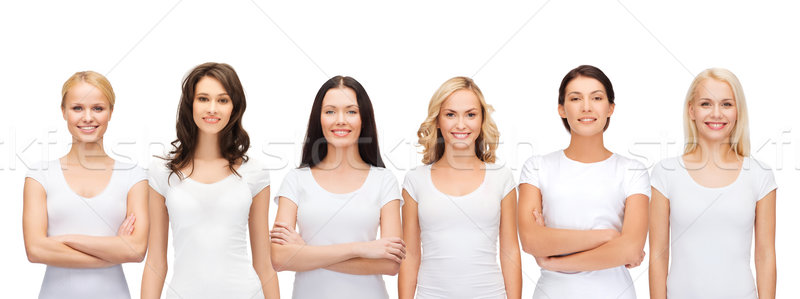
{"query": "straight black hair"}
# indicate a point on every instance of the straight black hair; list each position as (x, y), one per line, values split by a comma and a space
(315, 146)
(589, 72)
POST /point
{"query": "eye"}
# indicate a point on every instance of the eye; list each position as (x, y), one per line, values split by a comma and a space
(598, 98)
(202, 99)
(224, 100)
(352, 112)
(77, 108)
(450, 114)
(329, 112)
(727, 104)
(575, 99)
(705, 104)
(98, 109)
(471, 114)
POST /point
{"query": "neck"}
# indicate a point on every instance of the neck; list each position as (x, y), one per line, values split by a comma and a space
(87, 153)
(587, 149)
(460, 158)
(342, 158)
(207, 147)
(713, 152)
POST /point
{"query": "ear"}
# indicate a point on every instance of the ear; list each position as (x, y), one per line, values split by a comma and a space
(691, 110)
(64, 112)
(611, 109)
(561, 111)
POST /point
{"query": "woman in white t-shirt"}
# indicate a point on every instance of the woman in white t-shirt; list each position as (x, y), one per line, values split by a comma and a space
(85, 214)
(338, 198)
(583, 210)
(708, 202)
(459, 204)
(213, 195)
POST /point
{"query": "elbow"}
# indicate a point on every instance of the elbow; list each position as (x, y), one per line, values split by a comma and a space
(392, 269)
(33, 255)
(276, 258)
(136, 253)
(530, 247)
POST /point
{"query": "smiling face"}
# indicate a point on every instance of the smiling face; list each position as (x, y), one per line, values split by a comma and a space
(212, 106)
(87, 112)
(586, 107)
(713, 110)
(340, 118)
(460, 120)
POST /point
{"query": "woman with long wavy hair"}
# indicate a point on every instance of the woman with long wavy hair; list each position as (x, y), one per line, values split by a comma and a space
(212, 193)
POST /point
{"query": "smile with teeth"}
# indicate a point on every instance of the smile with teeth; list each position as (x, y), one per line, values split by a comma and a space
(460, 135)
(340, 132)
(87, 129)
(211, 119)
(587, 119)
(716, 125)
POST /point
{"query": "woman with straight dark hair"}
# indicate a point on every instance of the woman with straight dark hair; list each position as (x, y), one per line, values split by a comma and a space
(338, 198)
(583, 210)
(211, 192)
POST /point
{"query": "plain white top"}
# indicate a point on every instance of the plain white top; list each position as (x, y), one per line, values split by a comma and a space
(585, 196)
(459, 234)
(210, 232)
(325, 218)
(711, 229)
(101, 215)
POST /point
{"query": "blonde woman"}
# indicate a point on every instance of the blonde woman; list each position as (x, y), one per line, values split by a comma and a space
(708, 202)
(583, 210)
(85, 213)
(459, 204)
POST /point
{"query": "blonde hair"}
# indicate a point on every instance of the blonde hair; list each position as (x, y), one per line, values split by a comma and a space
(740, 136)
(430, 138)
(92, 78)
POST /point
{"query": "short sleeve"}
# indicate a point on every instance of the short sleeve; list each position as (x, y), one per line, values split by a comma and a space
(637, 180)
(38, 172)
(766, 180)
(530, 171)
(256, 176)
(659, 180)
(506, 181)
(409, 182)
(135, 175)
(157, 176)
(289, 187)
(389, 188)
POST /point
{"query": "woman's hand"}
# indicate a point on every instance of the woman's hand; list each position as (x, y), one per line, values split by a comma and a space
(126, 228)
(391, 248)
(283, 234)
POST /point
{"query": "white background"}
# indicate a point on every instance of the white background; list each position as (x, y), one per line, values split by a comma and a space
(516, 51)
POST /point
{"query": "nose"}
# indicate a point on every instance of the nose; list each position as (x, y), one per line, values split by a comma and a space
(716, 111)
(587, 105)
(87, 115)
(212, 107)
(340, 118)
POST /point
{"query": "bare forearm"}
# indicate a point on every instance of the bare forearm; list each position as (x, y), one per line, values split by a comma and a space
(766, 277)
(617, 252)
(51, 252)
(364, 266)
(543, 241)
(407, 280)
(269, 281)
(115, 249)
(510, 262)
(153, 280)
(305, 257)
(658, 275)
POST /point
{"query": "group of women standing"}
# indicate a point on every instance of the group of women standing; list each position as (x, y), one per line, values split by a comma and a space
(582, 212)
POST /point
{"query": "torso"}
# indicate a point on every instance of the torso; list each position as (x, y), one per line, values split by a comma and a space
(457, 182)
(87, 180)
(713, 174)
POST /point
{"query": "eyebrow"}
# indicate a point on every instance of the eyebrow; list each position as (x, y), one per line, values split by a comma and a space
(348, 106)
(578, 92)
(709, 99)
(451, 110)
(205, 94)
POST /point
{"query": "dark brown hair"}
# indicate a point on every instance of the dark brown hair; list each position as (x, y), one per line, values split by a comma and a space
(233, 139)
(315, 147)
(589, 72)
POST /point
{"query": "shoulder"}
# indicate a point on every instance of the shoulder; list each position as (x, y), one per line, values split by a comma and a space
(751, 163)
(500, 170)
(253, 166)
(628, 163)
(417, 173)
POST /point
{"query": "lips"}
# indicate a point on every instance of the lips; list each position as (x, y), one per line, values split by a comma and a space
(211, 119)
(87, 129)
(716, 125)
(340, 132)
(587, 120)
(459, 135)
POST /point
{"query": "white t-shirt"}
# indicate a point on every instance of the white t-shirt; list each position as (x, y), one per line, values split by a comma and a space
(210, 231)
(585, 196)
(101, 215)
(458, 235)
(325, 218)
(711, 230)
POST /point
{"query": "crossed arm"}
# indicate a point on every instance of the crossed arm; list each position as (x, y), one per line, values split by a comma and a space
(382, 256)
(589, 250)
(82, 251)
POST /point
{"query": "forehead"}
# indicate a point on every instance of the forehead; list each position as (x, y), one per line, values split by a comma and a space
(340, 97)
(462, 99)
(85, 93)
(209, 85)
(714, 89)
(584, 85)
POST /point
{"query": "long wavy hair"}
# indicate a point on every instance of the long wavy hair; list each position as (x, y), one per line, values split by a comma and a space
(233, 139)
(315, 146)
(430, 137)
